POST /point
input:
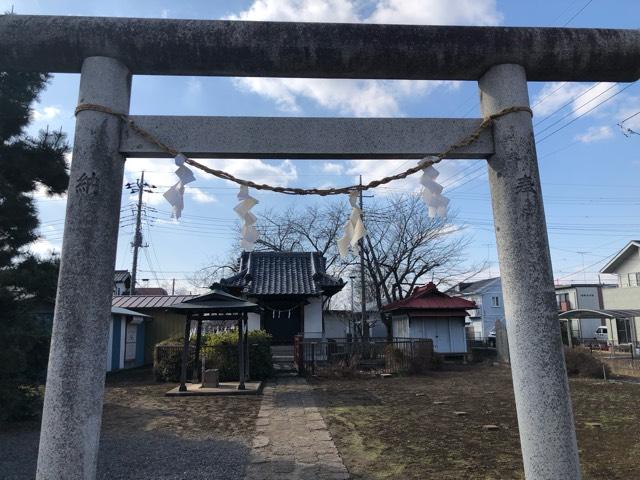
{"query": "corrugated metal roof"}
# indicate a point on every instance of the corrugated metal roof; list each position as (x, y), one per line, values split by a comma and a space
(149, 301)
(428, 297)
(283, 273)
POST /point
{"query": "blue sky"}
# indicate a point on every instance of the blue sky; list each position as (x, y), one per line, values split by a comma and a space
(589, 169)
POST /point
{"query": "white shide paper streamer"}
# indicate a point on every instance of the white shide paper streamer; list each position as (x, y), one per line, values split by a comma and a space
(354, 228)
(249, 231)
(175, 194)
(432, 192)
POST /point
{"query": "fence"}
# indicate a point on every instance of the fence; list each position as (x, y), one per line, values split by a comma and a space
(167, 361)
(377, 354)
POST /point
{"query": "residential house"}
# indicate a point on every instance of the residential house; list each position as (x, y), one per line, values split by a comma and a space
(121, 282)
(626, 266)
(487, 295)
(429, 313)
(290, 288)
(583, 296)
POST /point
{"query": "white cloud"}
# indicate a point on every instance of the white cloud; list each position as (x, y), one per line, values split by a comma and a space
(199, 195)
(300, 11)
(333, 168)
(436, 12)
(376, 169)
(357, 97)
(43, 247)
(280, 173)
(578, 98)
(594, 134)
(45, 114)
(362, 98)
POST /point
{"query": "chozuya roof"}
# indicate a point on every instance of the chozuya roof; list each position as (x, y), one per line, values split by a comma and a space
(215, 302)
(283, 273)
(428, 299)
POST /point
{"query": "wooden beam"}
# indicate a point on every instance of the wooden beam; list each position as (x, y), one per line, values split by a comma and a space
(295, 137)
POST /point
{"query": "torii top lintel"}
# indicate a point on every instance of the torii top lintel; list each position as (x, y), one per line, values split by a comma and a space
(322, 50)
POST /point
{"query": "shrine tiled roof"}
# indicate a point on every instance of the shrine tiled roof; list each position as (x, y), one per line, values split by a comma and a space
(283, 273)
(428, 297)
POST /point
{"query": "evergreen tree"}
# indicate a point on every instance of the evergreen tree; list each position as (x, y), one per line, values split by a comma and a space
(26, 164)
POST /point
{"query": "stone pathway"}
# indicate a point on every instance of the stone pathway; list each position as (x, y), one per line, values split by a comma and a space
(292, 441)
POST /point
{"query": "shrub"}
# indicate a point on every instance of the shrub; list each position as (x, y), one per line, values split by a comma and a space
(422, 359)
(581, 363)
(219, 350)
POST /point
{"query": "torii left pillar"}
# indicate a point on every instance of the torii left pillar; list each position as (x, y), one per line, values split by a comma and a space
(73, 400)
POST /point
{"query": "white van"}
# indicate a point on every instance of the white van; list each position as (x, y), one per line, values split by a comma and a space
(602, 334)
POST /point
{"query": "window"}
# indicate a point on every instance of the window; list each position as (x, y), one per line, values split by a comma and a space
(495, 301)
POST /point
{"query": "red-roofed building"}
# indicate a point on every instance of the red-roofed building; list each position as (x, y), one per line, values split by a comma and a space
(429, 313)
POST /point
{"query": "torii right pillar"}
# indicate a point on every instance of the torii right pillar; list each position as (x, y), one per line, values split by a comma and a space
(543, 401)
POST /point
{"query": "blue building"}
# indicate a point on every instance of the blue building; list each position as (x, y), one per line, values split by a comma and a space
(487, 294)
(126, 339)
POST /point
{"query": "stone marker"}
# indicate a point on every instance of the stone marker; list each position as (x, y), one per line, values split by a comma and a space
(460, 414)
(490, 428)
(593, 424)
(439, 403)
(420, 394)
(210, 378)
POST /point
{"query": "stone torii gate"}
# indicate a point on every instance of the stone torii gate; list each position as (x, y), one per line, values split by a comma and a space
(107, 51)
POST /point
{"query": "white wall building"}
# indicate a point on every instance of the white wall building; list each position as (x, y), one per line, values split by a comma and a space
(487, 294)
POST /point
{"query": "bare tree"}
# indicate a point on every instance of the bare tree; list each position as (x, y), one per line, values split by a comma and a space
(214, 270)
(315, 228)
(404, 248)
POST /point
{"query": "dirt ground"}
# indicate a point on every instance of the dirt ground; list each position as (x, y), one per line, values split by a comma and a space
(391, 428)
(148, 435)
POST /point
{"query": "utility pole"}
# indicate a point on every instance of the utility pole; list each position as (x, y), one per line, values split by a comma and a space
(139, 187)
(584, 273)
(364, 327)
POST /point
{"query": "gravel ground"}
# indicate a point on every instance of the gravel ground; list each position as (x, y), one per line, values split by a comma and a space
(145, 455)
(146, 435)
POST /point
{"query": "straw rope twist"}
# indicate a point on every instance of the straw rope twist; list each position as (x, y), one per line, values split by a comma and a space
(486, 122)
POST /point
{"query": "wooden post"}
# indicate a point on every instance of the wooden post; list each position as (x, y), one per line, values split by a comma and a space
(198, 342)
(240, 353)
(246, 341)
(185, 355)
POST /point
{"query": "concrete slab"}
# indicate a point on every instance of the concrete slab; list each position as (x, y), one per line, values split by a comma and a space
(224, 388)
